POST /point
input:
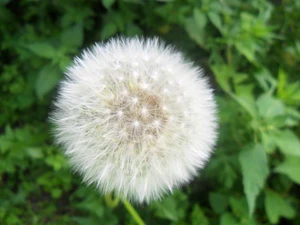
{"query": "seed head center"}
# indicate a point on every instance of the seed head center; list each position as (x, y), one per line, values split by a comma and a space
(139, 115)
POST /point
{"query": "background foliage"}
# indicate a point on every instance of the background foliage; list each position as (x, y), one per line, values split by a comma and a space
(251, 51)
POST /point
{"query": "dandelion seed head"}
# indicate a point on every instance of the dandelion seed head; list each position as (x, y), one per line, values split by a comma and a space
(135, 118)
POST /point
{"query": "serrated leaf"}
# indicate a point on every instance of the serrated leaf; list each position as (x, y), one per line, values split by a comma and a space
(47, 79)
(195, 32)
(253, 161)
(287, 142)
(291, 168)
(276, 207)
(198, 217)
(269, 107)
(247, 48)
(218, 202)
(200, 18)
(44, 50)
(108, 3)
(215, 20)
(73, 36)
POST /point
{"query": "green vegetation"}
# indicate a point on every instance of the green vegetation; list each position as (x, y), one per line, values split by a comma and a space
(250, 50)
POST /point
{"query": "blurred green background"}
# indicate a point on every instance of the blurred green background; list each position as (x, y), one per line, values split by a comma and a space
(250, 50)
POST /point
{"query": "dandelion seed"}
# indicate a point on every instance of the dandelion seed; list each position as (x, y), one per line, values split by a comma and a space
(120, 113)
(134, 100)
(136, 123)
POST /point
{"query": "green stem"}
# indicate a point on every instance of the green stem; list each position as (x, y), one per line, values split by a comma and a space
(228, 54)
(133, 213)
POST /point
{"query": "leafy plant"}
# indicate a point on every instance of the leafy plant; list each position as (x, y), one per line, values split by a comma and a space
(249, 49)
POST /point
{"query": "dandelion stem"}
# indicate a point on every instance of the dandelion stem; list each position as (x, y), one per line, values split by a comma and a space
(133, 213)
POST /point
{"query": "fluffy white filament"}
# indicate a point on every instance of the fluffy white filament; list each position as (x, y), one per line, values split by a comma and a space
(135, 118)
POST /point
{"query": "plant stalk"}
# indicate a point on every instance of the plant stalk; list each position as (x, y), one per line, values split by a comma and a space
(133, 213)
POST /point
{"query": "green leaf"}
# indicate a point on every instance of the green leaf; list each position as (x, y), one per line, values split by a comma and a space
(44, 50)
(195, 32)
(64, 63)
(269, 107)
(282, 81)
(132, 30)
(268, 142)
(247, 48)
(108, 30)
(172, 207)
(56, 192)
(108, 3)
(290, 93)
(35, 153)
(223, 73)
(47, 79)
(266, 80)
(240, 209)
(218, 202)
(91, 205)
(216, 20)
(73, 37)
(239, 206)
(228, 219)
(229, 176)
(198, 217)
(287, 142)
(291, 168)
(216, 6)
(247, 102)
(276, 207)
(247, 21)
(255, 170)
(56, 161)
(200, 18)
